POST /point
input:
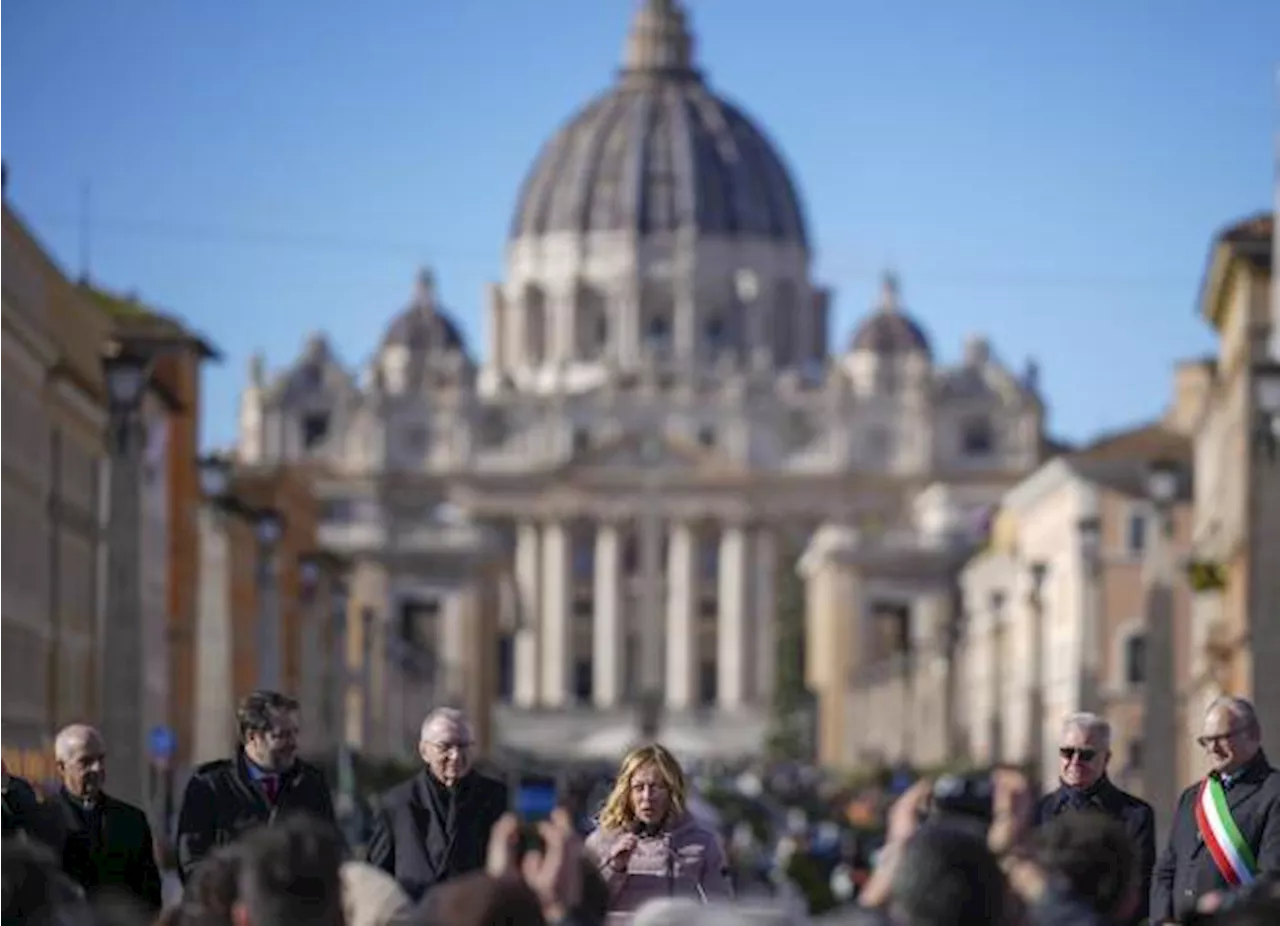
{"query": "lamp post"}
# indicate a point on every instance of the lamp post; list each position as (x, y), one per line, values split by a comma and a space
(269, 529)
(315, 694)
(1036, 572)
(1263, 537)
(127, 374)
(1164, 484)
(995, 657)
(1089, 529)
(215, 477)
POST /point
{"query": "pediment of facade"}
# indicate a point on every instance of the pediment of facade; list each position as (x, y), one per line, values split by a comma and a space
(632, 455)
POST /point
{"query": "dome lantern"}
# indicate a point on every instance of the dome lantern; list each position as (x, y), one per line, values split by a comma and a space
(659, 41)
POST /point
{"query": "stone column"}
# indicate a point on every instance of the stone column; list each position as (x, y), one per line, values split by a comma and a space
(626, 340)
(452, 628)
(479, 604)
(528, 574)
(554, 636)
(651, 604)
(765, 607)
(734, 626)
(682, 618)
(608, 636)
(1160, 737)
(836, 636)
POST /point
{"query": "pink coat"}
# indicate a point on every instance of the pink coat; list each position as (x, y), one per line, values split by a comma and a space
(686, 860)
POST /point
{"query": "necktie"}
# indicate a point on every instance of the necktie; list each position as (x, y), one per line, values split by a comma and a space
(271, 784)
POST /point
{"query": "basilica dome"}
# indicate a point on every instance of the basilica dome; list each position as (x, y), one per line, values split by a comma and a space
(660, 152)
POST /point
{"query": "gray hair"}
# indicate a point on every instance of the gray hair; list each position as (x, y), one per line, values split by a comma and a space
(1239, 708)
(71, 736)
(443, 715)
(1091, 725)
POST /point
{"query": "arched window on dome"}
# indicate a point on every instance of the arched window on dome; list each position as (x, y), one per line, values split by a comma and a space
(658, 314)
(536, 335)
(784, 323)
(590, 324)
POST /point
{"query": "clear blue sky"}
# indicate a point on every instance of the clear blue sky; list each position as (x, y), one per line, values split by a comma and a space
(1049, 173)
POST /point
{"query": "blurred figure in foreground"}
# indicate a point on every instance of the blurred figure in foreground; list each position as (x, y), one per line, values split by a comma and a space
(24, 816)
(36, 892)
(436, 825)
(1094, 855)
(647, 845)
(947, 872)
(290, 874)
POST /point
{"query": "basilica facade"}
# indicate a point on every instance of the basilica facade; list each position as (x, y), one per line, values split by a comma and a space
(657, 424)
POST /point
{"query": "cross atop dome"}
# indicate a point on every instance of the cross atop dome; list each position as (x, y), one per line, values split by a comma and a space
(659, 41)
(889, 292)
(424, 291)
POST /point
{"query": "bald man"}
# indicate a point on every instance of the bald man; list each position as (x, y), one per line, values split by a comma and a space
(107, 846)
(436, 825)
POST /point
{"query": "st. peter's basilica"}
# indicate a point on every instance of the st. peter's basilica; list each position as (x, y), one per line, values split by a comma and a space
(658, 423)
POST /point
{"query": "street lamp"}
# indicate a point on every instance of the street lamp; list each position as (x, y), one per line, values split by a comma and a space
(1037, 571)
(995, 604)
(126, 373)
(1266, 401)
(1090, 530)
(268, 528)
(1164, 480)
(309, 577)
(215, 476)
(1159, 714)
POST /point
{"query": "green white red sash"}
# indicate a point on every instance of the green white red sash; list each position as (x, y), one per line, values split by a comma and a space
(1221, 836)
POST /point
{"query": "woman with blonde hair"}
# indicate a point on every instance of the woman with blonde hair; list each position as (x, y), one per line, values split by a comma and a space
(646, 844)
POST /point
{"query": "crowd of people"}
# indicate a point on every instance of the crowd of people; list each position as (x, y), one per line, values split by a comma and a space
(257, 844)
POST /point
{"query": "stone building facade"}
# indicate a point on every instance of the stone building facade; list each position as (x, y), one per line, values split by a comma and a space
(54, 473)
(658, 406)
(1086, 637)
(1237, 508)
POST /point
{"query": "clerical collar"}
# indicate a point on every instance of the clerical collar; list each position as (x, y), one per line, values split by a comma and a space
(1091, 791)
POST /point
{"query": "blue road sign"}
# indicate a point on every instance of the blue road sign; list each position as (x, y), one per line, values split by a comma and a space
(161, 742)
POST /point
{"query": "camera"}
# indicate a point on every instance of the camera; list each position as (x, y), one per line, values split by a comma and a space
(967, 796)
(529, 839)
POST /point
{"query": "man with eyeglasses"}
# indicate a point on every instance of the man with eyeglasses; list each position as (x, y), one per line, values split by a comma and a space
(1226, 828)
(436, 825)
(1084, 752)
(262, 783)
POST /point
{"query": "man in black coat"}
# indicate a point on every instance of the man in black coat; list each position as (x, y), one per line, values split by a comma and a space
(1237, 803)
(1084, 752)
(24, 816)
(436, 825)
(262, 783)
(106, 845)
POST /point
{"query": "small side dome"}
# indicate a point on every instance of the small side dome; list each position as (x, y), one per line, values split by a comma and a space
(890, 331)
(424, 326)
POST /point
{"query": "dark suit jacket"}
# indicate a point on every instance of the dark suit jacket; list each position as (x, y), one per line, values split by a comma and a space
(24, 815)
(222, 803)
(1136, 815)
(409, 840)
(1186, 871)
(109, 848)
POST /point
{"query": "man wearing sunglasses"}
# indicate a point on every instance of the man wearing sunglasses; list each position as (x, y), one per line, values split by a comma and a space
(1084, 750)
(1226, 828)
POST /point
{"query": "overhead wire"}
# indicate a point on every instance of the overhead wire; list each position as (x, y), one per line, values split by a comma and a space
(297, 239)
